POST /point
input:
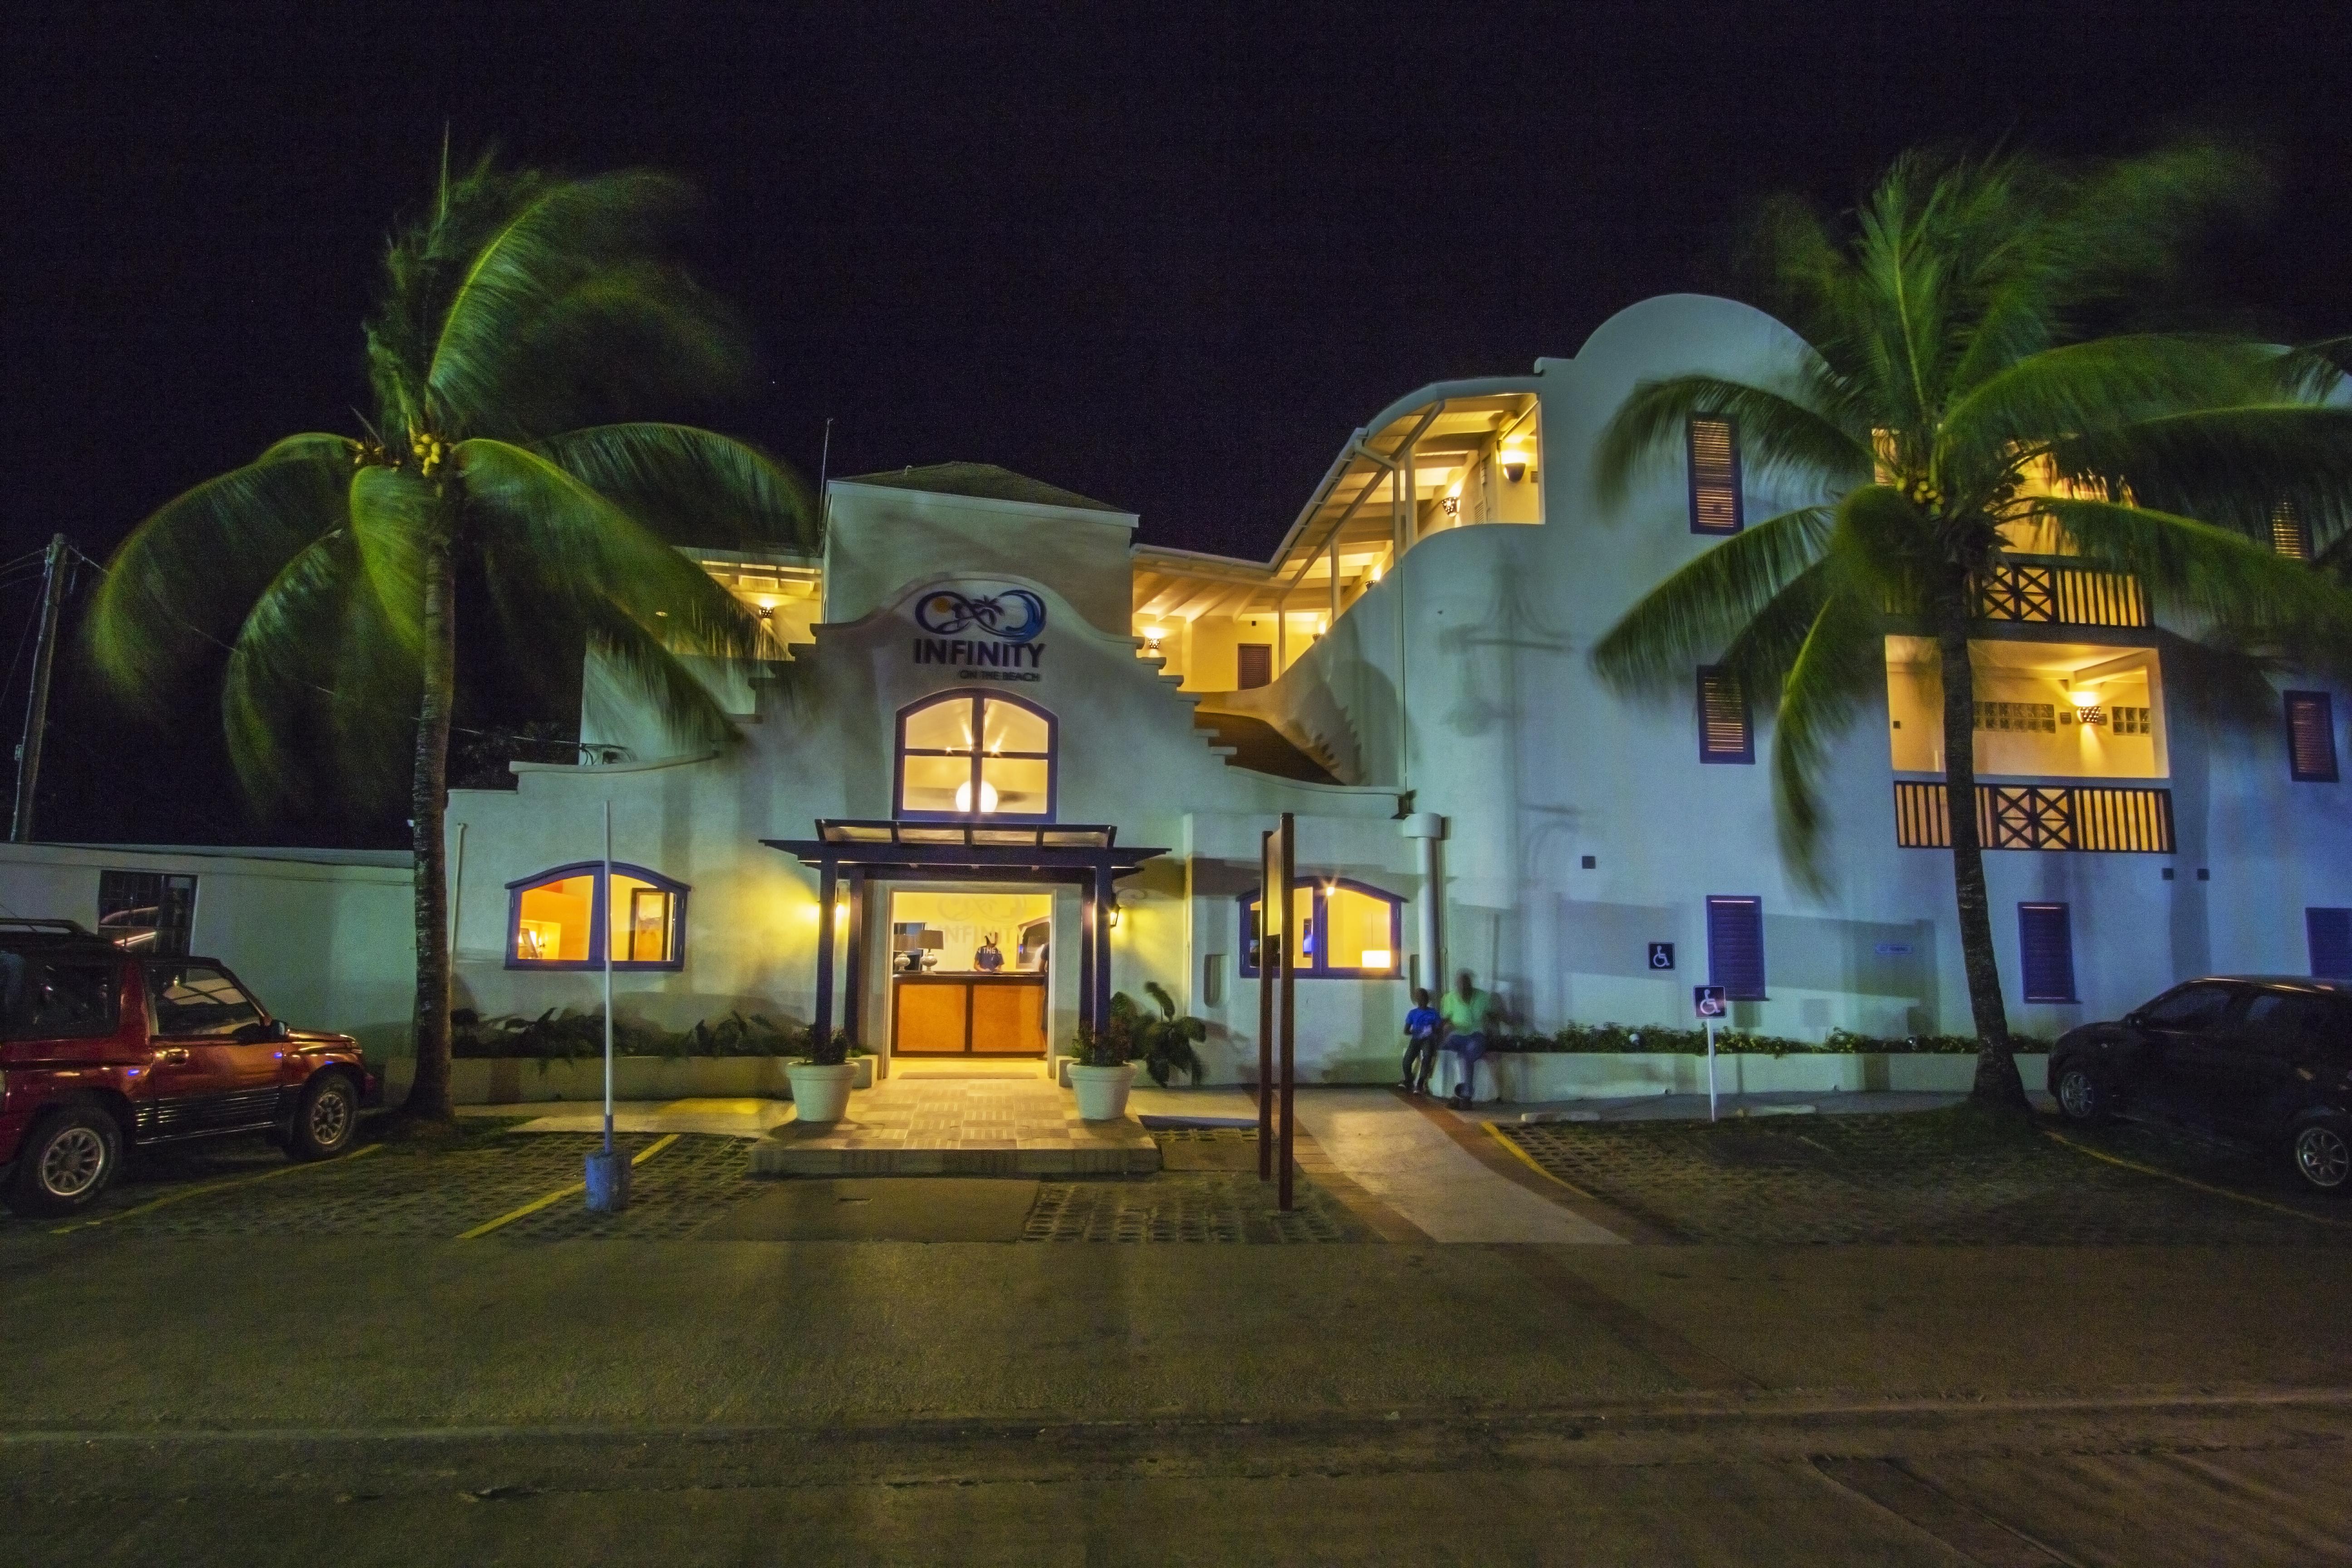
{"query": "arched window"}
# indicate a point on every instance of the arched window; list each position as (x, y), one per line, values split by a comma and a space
(1339, 930)
(972, 755)
(563, 920)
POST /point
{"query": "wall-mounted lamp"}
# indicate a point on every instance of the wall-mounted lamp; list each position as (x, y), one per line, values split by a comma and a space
(1452, 506)
(1151, 641)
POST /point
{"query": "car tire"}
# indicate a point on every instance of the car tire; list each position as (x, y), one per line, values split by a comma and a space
(70, 1157)
(2321, 1150)
(2081, 1098)
(326, 1119)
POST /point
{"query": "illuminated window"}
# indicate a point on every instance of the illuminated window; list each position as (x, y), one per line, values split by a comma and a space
(970, 755)
(1715, 502)
(2310, 737)
(2290, 535)
(1339, 930)
(553, 919)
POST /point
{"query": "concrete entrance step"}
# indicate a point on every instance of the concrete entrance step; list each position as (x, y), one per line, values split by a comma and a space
(964, 1127)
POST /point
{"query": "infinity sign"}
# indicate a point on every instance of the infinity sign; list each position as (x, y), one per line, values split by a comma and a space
(1016, 615)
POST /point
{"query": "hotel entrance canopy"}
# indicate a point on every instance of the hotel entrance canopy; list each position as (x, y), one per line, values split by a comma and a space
(1087, 855)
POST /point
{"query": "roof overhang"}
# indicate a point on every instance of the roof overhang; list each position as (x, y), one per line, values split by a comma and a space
(973, 851)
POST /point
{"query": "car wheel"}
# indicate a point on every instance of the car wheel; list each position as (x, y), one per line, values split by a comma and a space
(2323, 1154)
(326, 1120)
(2080, 1096)
(70, 1157)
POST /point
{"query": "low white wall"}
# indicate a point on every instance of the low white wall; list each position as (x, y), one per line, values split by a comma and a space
(523, 1080)
(1531, 1075)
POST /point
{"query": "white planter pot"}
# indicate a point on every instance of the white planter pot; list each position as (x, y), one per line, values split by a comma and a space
(820, 1094)
(1102, 1091)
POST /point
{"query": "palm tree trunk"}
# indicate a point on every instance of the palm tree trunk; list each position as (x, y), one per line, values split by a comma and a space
(428, 1097)
(1997, 1081)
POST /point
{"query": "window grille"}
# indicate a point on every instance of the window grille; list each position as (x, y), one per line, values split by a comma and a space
(1724, 732)
(2107, 818)
(2330, 932)
(2311, 737)
(1715, 502)
(2045, 942)
(2290, 535)
(147, 912)
(2131, 721)
(1735, 946)
(2033, 718)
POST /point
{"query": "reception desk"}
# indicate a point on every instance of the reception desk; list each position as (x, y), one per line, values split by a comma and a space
(968, 1014)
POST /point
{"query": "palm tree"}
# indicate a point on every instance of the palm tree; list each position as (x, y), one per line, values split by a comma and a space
(1955, 400)
(517, 315)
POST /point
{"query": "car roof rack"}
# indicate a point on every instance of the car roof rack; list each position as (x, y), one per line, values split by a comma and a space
(57, 928)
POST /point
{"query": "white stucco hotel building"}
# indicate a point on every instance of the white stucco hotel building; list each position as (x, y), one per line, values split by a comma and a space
(997, 703)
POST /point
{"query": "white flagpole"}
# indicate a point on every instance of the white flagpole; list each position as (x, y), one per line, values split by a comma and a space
(608, 977)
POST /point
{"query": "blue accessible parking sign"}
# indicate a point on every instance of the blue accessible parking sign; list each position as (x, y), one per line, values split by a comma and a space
(1662, 955)
(1710, 1000)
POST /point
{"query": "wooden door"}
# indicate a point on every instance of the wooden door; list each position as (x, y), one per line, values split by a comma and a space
(1253, 664)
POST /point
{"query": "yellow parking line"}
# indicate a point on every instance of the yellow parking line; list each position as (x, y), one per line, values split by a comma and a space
(174, 1197)
(1525, 1158)
(2200, 1186)
(532, 1207)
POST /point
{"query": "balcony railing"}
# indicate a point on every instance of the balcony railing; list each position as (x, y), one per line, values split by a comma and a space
(2103, 817)
(2060, 595)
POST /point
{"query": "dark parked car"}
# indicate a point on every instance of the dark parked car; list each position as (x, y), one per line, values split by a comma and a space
(104, 1049)
(2261, 1059)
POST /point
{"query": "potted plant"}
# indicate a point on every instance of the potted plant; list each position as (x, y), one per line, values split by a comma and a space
(1102, 1064)
(821, 1080)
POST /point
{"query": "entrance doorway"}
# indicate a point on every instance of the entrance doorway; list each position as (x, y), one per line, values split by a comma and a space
(969, 974)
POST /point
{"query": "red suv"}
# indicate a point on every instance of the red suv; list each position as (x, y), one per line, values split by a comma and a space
(102, 1050)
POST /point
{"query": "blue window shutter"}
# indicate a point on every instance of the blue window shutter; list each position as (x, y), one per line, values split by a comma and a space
(2330, 933)
(1735, 947)
(2310, 737)
(1714, 499)
(2045, 942)
(1724, 732)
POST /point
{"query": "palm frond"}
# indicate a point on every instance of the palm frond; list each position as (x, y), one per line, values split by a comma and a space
(1842, 663)
(395, 517)
(688, 485)
(1690, 617)
(2231, 588)
(181, 583)
(641, 668)
(2081, 389)
(1778, 434)
(2233, 466)
(577, 260)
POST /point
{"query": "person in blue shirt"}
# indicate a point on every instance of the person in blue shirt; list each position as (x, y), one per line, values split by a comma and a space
(1421, 1033)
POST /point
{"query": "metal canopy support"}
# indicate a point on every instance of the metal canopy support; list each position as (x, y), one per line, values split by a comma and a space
(1277, 1008)
(854, 960)
(1087, 1019)
(1269, 952)
(828, 879)
(1099, 979)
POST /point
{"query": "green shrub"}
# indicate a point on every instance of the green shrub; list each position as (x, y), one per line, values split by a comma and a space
(562, 1033)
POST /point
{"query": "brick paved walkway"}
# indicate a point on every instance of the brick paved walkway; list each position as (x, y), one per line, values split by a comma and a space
(959, 1126)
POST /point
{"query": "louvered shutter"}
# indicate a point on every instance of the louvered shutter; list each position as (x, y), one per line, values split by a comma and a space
(1724, 732)
(2045, 943)
(2289, 537)
(1735, 947)
(2330, 933)
(2310, 737)
(1714, 477)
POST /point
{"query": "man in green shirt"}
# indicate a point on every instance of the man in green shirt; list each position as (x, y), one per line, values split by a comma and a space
(1468, 1013)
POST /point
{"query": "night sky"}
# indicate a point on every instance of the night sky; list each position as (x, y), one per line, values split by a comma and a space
(1167, 259)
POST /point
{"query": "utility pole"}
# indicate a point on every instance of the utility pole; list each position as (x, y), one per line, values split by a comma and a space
(36, 708)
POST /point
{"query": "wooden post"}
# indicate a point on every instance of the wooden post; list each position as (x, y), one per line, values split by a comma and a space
(853, 982)
(828, 879)
(1100, 980)
(1269, 951)
(1289, 1005)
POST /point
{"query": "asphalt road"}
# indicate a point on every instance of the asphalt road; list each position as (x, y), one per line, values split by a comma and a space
(343, 1399)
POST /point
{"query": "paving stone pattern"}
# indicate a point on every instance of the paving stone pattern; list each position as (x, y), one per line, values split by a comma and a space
(969, 1126)
(1925, 1179)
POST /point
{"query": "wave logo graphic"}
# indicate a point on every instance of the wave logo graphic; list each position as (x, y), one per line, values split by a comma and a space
(1015, 615)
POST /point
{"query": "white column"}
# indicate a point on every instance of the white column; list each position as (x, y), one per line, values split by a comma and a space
(1427, 828)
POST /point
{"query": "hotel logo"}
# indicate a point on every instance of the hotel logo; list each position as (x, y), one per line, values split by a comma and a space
(988, 632)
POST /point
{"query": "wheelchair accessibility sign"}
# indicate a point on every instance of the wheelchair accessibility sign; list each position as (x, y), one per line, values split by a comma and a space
(1710, 1000)
(1662, 955)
